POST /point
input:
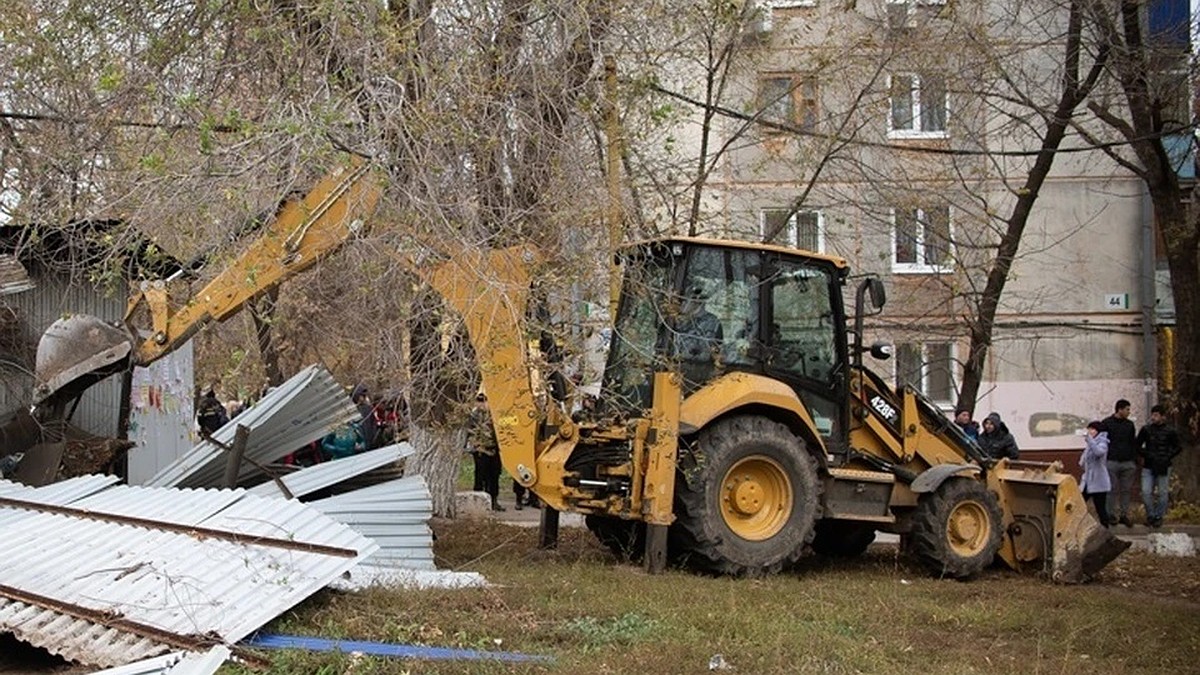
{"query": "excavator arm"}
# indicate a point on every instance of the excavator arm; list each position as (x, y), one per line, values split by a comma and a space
(488, 289)
(78, 350)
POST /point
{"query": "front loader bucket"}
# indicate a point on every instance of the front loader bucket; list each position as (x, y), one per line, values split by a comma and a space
(1047, 524)
(77, 351)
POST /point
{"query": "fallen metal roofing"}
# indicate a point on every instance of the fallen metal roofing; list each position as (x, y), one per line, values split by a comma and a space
(14, 278)
(394, 514)
(127, 573)
(175, 663)
(308, 480)
(301, 410)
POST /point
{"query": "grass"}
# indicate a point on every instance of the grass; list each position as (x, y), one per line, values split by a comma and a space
(875, 614)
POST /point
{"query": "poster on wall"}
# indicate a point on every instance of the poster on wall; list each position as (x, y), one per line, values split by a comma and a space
(161, 414)
(1053, 415)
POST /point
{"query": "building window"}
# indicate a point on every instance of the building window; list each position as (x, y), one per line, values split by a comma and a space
(921, 240)
(919, 106)
(798, 229)
(927, 367)
(790, 100)
(902, 14)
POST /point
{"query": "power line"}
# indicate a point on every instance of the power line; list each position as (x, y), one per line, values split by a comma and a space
(959, 152)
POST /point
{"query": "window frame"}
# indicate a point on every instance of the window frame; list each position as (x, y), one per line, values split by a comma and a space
(919, 266)
(914, 100)
(790, 235)
(800, 103)
(950, 364)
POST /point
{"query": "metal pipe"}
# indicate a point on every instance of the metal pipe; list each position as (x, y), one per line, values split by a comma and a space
(1149, 348)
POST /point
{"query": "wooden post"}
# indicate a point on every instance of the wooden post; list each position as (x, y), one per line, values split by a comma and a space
(236, 451)
(548, 531)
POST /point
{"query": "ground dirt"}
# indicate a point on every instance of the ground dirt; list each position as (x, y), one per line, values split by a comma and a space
(1134, 578)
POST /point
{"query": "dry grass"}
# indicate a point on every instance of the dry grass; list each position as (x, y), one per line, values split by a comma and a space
(877, 614)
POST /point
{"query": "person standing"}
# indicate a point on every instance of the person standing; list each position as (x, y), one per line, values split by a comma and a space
(210, 413)
(1096, 483)
(996, 440)
(368, 428)
(962, 418)
(1122, 460)
(1157, 445)
(486, 450)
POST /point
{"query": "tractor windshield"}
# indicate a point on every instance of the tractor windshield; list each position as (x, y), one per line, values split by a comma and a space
(640, 317)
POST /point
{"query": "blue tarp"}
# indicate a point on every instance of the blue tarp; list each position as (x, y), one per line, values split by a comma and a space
(271, 641)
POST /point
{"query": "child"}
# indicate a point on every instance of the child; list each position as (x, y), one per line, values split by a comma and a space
(1094, 460)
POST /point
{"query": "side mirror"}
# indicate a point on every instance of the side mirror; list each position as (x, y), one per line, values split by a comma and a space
(881, 351)
(877, 293)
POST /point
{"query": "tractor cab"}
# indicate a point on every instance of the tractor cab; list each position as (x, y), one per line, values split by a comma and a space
(704, 309)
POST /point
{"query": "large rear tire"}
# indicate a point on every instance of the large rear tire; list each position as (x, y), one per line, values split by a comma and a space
(748, 502)
(956, 529)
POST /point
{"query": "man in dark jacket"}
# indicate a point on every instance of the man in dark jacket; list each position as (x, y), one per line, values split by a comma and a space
(367, 427)
(1122, 460)
(962, 418)
(996, 440)
(1157, 445)
(210, 414)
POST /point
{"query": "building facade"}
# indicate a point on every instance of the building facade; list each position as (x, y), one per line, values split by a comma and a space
(899, 135)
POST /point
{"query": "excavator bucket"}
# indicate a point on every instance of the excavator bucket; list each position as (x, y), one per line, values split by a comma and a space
(77, 351)
(1047, 525)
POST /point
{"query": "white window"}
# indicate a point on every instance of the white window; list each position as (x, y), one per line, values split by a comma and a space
(789, 99)
(921, 240)
(902, 14)
(919, 106)
(798, 229)
(927, 367)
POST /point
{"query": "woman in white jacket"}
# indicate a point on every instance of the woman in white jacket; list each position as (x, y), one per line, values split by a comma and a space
(1094, 460)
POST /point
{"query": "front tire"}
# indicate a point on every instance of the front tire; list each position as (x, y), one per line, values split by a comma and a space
(956, 529)
(748, 503)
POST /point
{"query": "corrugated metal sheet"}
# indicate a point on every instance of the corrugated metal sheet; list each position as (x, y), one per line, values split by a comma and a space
(395, 515)
(175, 663)
(310, 479)
(301, 410)
(14, 278)
(159, 665)
(130, 573)
(57, 296)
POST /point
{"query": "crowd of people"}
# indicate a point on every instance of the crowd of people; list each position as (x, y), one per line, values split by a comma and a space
(379, 423)
(1114, 453)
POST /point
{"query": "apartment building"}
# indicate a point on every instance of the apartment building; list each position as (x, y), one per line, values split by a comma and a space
(898, 134)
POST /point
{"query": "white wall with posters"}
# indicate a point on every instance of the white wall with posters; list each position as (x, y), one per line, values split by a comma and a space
(1052, 415)
(161, 414)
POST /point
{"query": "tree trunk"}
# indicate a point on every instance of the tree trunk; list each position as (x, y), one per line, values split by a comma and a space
(1074, 92)
(438, 456)
(262, 311)
(1182, 238)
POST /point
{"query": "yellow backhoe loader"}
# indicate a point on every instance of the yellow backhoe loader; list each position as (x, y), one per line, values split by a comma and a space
(736, 428)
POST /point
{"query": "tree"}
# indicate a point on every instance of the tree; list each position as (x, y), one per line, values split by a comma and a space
(477, 110)
(1152, 75)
